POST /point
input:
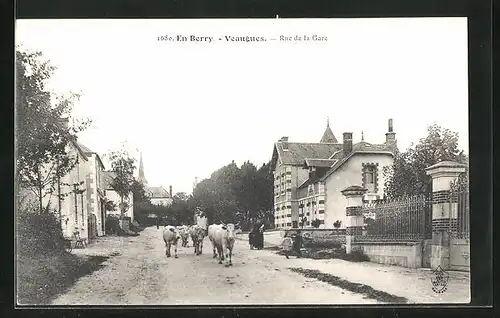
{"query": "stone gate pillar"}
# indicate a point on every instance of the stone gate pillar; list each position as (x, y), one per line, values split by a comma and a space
(444, 210)
(354, 214)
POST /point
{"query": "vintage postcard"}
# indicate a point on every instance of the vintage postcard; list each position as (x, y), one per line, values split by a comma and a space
(242, 161)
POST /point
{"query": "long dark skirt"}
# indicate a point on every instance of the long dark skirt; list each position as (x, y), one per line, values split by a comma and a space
(256, 240)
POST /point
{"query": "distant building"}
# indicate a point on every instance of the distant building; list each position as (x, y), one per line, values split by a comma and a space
(141, 177)
(309, 177)
(157, 195)
(200, 219)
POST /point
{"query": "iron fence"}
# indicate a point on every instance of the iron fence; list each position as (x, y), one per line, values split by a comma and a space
(459, 222)
(404, 219)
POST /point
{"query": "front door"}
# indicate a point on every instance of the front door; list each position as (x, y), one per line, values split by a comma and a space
(103, 217)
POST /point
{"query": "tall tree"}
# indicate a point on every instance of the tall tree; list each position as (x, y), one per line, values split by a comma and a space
(123, 165)
(139, 192)
(265, 193)
(407, 176)
(42, 128)
(235, 194)
(180, 211)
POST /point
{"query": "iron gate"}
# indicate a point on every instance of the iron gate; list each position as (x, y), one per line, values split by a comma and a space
(459, 226)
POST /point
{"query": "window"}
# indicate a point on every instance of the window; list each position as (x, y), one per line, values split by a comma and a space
(321, 211)
(370, 177)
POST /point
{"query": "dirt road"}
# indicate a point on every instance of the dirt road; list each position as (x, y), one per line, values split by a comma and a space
(142, 275)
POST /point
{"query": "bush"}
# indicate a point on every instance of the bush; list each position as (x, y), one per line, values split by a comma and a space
(356, 256)
(135, 226)
(112, 224)
(39, 233)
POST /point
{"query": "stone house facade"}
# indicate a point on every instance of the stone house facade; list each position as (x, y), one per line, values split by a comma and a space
(96, 194)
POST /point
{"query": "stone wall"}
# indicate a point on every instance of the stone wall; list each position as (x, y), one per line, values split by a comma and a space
(426, 253)
(405, 254)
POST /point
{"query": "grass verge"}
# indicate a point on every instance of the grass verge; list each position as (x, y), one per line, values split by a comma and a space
(366, 290)
(41, 278)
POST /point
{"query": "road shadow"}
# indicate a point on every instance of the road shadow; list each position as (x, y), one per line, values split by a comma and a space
(43, 278)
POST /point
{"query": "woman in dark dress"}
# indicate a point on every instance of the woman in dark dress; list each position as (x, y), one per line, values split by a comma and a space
(256, 237)
(297, 244)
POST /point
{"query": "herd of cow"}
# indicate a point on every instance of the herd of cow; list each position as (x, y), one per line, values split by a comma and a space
(222, 237)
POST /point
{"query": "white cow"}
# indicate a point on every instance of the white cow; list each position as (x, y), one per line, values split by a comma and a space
(224, 237)
(171, 237)
(197, 233)
(211, 235)
(184, 232)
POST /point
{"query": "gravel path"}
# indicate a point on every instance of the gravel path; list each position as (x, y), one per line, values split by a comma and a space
(142, 275)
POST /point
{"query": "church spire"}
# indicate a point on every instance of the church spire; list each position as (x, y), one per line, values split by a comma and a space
(362, 136)
(141, 178)
(328, 136)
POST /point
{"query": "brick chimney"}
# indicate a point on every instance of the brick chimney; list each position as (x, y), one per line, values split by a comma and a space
(390, 136)
(347, 143)
(170, 191)
(284, 142)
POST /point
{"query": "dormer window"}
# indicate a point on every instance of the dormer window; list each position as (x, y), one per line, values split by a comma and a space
(370, 177)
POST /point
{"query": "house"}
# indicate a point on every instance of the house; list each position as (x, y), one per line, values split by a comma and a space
(112, 195)
(74, 186)
(309, 177)
(96, 193)
(159, 196)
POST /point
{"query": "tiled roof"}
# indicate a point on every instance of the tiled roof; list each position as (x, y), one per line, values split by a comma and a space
(367, 147)
(158, 192)
(328, 136)
(87, 151)
(361, 147)
(84, 149)
(320, 172)
(313, 162)
(297, 152)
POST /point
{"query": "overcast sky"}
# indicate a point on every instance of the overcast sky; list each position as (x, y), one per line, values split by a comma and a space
(194, 107)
